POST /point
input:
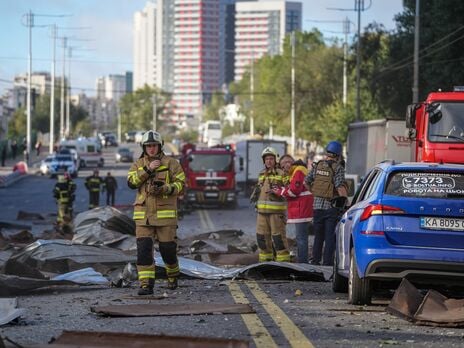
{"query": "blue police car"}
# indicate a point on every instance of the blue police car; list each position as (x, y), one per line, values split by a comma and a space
(406, 220)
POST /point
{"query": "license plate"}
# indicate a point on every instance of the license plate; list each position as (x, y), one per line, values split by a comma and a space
(211, 194)
(442, 223)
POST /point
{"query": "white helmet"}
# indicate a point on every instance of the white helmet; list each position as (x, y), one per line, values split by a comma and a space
(151, 137)
(269, 151)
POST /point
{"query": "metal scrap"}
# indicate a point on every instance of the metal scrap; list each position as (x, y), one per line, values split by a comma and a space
(433, 309)
(150, 310)
(119, 339)
(8, 310)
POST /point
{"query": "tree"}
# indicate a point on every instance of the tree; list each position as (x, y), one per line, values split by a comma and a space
(136, 108)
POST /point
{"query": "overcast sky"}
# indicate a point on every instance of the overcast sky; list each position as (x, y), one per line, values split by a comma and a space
(105, 47)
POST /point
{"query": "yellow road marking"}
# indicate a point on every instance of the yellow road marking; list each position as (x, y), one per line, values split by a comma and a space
(293, 334)
(208, 220)
(204, 225)
(260, 334)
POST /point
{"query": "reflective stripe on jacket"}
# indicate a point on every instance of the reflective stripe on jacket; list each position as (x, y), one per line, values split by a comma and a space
(151, 209)
(269, 202)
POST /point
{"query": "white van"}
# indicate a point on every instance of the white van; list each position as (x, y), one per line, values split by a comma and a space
(89, 151)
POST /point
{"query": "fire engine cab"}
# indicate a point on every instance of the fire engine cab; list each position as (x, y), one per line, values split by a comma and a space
(210, 175)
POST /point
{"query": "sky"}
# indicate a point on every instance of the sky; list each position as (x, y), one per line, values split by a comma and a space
(101, 33)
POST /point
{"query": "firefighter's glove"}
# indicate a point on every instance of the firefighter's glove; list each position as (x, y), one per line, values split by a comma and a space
(161, 190)
(278, 191)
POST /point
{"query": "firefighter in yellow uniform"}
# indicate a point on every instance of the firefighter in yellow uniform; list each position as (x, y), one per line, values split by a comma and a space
(159, 179)
(271, 230)
(63, 193)
(94, 184)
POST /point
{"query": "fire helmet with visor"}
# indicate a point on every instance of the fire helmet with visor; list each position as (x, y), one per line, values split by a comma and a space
(269, 151)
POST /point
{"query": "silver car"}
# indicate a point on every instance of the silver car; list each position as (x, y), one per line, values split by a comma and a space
(45, 165)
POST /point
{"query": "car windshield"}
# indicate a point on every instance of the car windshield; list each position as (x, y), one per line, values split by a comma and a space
(203, 162)
(446, 124)
(426, 185)
(124, 151)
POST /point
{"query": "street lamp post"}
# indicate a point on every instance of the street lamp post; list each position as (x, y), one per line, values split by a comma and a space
(293, 94)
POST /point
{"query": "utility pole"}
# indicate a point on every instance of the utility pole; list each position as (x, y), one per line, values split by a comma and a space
(293, 94)
(52, 94)
(30, 24)
(68, 95)
(252, 92)
(346, 31)
(155, 116)
(62, 126)
(415, 87)
(359, 6)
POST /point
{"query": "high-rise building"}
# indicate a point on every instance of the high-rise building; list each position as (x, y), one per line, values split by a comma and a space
(192, 48)
(260, 28)
(111, 87)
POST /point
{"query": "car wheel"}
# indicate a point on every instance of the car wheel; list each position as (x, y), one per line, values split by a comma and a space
(339, 283)
(359, 289)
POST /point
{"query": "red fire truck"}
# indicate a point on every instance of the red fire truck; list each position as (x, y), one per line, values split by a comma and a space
(210, 175)
(436, 127)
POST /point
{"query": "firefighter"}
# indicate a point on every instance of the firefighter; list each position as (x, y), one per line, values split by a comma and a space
(326, 181)
(271, 230)
(63, 192)
(72, 190)
(159, 180)
(94, 184)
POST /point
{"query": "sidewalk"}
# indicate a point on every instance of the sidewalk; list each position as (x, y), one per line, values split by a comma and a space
(7, 176)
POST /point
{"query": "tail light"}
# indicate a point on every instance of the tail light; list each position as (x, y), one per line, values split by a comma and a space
(379, 209)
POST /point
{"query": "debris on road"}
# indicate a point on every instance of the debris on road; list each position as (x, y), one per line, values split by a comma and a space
(119, 339)
(433, 309)
(150, 310)
(9, 310)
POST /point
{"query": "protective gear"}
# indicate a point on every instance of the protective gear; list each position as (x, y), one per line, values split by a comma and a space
(151, 137)
(323, 184)
(155, 211)
(64, 195)
(61, 178)
(144, 251)
(334, 147)
(268, 202)
(255, 194)
(94, 184)
(269, 151)
(146, 288)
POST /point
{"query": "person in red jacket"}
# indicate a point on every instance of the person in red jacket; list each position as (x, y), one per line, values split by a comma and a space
(300, 203)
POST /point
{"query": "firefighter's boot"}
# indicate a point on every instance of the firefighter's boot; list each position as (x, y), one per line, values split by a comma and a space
(146, 288)
(172, 283)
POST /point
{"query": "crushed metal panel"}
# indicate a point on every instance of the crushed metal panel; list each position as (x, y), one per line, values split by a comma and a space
(8, 310)
(148, 310)
(118, 339)
(405, 301)
(438, 310)
(433, 309)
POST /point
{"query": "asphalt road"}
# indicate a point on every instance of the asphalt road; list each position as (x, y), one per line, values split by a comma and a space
(288, 313)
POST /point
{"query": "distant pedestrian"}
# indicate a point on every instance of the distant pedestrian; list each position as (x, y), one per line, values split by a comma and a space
(26, 155)
(14, 149)
(38, 146)
(111, 187)
(3, 155)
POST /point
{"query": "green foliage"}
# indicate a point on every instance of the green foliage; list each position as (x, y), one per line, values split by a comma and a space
(212, 109)
(189, 136)
(137, 108)
(17, 124)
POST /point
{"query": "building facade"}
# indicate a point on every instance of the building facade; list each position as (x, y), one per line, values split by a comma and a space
(260, 29)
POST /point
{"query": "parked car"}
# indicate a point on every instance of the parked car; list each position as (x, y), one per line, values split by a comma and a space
(45, 165)
(110, 140)
(124, 155)
(62, 163)
(130, 136)
(406, 221)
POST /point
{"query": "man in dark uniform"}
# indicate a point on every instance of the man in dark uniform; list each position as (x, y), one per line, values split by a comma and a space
(326, 180)
(111, 185)
(94, 184)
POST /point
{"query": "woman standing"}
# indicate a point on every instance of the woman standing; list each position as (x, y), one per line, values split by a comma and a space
(300, 203)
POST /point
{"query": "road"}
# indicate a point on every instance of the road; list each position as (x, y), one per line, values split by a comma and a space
(288, 313)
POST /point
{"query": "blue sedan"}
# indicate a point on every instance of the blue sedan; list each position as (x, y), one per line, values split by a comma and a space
(406, 221)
